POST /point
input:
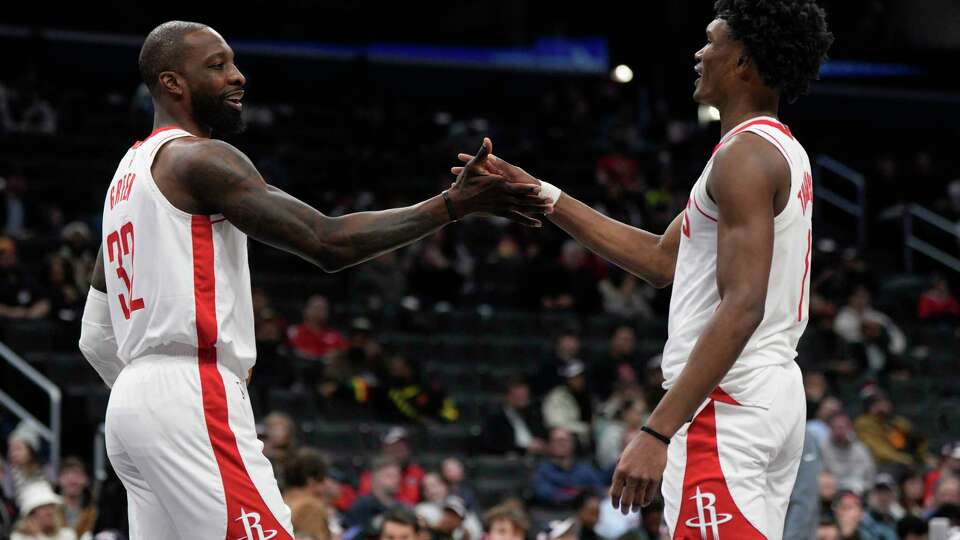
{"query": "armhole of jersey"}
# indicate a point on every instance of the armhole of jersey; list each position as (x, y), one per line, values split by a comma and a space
(788, 210)
(155, 189)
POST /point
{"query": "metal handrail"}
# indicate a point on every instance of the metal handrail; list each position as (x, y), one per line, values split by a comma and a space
(911, 243)
(52, 432)
(856, 208)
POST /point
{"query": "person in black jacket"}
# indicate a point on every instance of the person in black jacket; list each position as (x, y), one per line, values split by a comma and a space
(515, 427)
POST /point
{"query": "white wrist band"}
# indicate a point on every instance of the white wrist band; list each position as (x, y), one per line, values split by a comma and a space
(550, 192)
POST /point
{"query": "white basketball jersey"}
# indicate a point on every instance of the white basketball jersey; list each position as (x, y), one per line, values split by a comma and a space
(177, 283)
(695, 296)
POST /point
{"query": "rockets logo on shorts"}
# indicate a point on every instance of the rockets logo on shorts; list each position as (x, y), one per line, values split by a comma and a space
(707, 518)
(251, 525)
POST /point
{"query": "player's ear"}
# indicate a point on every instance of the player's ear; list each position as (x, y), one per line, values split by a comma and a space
(172, 82)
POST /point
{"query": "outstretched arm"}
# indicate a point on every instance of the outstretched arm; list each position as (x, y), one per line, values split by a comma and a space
(651, 257)
(224, 180)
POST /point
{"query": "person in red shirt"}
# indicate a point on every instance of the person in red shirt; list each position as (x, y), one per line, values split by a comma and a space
(313, 339)
(396, 447)
(937, 302)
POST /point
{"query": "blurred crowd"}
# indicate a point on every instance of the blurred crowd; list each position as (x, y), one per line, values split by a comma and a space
(564, 411)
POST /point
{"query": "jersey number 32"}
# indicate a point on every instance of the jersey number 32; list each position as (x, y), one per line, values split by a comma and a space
(120, 245)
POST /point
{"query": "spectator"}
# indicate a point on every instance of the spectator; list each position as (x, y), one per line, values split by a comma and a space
(385, 480)
(79, 509)
(437, 272)
(826, 492)
(455, 474)
(828, 530)
(817, 427)
(434, 492)
(507, 521)
(40, 519)
(566, 347)
(364, 354)
(848, 510)
(453, 516)
(945, 494)
(803, 512)
(654, 386)
(313, 339)
(279, 440)
(570, 284)
(624, 296)
(66, 303)
(23, 466)
(874, 333)
(569, 405)
(379, 283)
(912, 528)
(912, 494)
(882, 509)
(619, 365)
(492, 276)
(405, 396)
(890, 438)
(815, 388)
(515, 427)
(339, 496)
(948, 465)
(305, 478)
(559, 480)
(396, 447)
(587, 506)
(846, 457)
(20, 295)
(14, 210)
(937, 303)
(615, 435)
(399, 524)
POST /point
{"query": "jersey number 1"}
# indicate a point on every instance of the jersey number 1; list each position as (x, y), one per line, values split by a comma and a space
(120, 245)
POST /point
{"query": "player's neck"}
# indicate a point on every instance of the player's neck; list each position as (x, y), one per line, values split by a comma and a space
(738, 112)
(181, 119)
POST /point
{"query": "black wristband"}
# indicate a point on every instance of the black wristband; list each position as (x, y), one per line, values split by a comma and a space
(660, 437)
(449, 203)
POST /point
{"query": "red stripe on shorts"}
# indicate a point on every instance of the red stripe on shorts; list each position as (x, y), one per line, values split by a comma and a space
(707, 510)
(246, 509)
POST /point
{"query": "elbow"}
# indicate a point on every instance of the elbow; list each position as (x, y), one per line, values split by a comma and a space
(662, 281)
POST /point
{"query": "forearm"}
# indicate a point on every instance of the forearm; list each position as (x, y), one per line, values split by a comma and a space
(355, 238)
(637, 251)
(714, 354)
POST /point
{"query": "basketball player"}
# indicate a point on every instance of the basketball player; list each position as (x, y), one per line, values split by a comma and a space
(728, 435)
(169, 318)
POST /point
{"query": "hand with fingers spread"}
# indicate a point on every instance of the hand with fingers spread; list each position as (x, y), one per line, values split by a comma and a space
(479, 190)
(638, 473)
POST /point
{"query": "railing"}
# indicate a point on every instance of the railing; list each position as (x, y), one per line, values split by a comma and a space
(856, 207)
(913, 213)
(99, 460)
(49, 432)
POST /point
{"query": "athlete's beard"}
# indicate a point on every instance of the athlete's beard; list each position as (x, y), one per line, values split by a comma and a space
(212, 111)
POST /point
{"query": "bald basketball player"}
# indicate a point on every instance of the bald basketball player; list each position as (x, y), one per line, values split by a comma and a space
(169, 318)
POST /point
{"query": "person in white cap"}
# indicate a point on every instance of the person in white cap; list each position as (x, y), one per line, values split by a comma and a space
(569, 405)
(41, 521)
(22, 465)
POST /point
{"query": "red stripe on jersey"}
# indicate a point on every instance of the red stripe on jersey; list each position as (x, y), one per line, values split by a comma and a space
(706, 215)
(806, 269)
(154, 132)
(783, 128)
(242, 498)
(707, 510)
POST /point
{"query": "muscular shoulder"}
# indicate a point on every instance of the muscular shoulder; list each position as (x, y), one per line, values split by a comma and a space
(747, 164)
(208, 169)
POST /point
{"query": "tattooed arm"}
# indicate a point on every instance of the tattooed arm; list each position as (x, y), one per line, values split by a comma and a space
(223, 180)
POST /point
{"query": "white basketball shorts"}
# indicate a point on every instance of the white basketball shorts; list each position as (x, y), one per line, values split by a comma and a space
(180, 434)
(730, 471)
